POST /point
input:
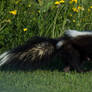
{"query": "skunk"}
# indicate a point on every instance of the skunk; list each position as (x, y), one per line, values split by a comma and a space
(74, 48)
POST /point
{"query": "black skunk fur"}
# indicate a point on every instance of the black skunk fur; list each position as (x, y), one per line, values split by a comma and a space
(74, 47)
(77, 49)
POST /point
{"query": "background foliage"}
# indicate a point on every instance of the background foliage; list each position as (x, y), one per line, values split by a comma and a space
(22, 19)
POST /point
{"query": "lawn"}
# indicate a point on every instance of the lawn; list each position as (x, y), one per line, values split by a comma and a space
(22, 19)
(44, 81)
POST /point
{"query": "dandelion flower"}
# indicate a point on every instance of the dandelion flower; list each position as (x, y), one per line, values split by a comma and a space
(14, 12)
(70, 15)
(71, 1)
(74, 20)
(57, 2)
(25, 29)
(62, 1)
(91, 7)
(80, 8)
(75, 9)
(75, 1)
(29, 5)
(39, 11)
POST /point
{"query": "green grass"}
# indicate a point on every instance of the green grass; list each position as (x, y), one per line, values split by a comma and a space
(43, 19)
(45, 81)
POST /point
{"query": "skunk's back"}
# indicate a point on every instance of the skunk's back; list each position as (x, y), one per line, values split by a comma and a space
(82, 41)
(76, 33)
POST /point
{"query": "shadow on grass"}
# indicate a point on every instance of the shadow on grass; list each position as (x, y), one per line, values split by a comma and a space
(88, 66)
(55, 64)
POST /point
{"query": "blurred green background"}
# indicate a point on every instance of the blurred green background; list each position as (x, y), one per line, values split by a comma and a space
(22, 19)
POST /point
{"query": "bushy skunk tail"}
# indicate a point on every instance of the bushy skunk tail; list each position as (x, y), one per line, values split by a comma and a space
(35, 49)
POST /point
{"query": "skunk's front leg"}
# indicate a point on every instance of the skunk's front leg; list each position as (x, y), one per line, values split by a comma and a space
(72, 58)
(66, 68)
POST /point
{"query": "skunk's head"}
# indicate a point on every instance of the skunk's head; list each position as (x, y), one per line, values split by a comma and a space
(73, 36)
(76, 39)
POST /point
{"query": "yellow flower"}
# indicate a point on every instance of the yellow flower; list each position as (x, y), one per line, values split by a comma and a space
(80, 8)
(25, 29)
(39, 11)
(70, 15)
(62, 1)
(29, 5)
(14, 12)
(75, 1)
(57, 2)
(75, 9)
(91, 7)
(8, 20)
(74, 20)
(71, 1)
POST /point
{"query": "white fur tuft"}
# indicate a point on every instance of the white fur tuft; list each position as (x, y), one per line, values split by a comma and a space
(4, 58)
(75, 33)
(59, 44)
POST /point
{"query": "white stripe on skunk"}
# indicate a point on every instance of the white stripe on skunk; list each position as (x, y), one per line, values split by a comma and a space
(5, 57)
(75, 33)
(59, 44)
